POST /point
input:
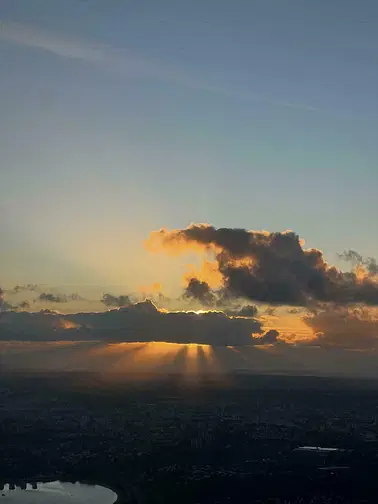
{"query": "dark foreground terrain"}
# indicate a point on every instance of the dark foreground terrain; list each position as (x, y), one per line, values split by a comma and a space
(169, 440)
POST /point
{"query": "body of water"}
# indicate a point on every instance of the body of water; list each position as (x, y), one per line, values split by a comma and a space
(56, 492)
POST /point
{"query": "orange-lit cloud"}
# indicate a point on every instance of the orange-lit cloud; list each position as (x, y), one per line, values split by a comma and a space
(369, 265)
(155, 288)
(361, 273)
(208, 272)
(292, 327)
(271, 268)
(66, 324)
(344, 328)
(174, 242)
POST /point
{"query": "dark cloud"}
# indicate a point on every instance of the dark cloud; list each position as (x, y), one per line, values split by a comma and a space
(271, 268)
(52, 298)
(199, 291)
(120, 301)
(141, 322)
(356, 259)
(44, 297)
(270, 337)
(344, 328)
(248, 311)
(244, 311)
(351, 256)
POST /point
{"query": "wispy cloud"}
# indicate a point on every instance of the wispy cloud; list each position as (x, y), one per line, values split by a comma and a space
(126, 63)
(122, 60)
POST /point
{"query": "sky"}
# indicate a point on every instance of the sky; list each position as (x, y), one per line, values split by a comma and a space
(121, 118)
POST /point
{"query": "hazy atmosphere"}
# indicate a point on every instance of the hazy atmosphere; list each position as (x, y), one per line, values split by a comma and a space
(189, 185)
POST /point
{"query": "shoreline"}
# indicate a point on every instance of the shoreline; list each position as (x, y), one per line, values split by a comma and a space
(121, 494)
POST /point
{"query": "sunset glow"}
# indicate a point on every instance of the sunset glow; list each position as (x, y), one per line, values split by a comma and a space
(167, 215)
(208, 272)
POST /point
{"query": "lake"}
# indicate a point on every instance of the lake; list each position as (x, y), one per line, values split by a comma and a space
(56, 492)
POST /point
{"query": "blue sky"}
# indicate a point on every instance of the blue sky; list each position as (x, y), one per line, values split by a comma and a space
(120, 117)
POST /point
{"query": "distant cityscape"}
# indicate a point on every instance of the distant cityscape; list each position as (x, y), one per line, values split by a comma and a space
(174, 440)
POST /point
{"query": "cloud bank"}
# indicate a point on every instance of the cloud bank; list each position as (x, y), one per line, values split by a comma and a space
(246, 267)
(267, 267)
(345, 328)
(51, 297)
(138, 322)
(120, 301)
